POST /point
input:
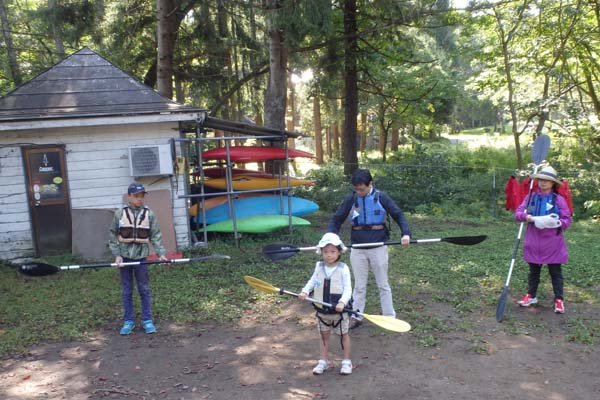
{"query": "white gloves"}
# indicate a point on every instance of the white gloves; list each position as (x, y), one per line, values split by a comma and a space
(547, 221)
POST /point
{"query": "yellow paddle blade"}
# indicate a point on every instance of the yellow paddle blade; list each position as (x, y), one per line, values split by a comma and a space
(389, 323)
(260, 285)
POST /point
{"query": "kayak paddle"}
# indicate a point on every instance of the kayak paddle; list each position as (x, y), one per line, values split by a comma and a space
(43, 269)
(385, 322)
(538, 154)
(280, 251)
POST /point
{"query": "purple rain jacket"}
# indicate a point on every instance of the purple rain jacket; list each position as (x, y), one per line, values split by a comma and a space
(545, 246)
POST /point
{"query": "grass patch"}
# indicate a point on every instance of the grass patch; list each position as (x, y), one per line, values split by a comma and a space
(438, 288)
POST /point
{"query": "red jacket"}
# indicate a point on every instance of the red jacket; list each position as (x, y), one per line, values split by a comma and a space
(513, 194)
(565, 192)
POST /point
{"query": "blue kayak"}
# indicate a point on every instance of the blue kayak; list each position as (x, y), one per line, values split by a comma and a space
(259, 205)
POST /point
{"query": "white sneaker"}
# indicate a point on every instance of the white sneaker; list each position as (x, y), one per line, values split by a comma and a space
(527, 300)
(346, 367)
(321, 367)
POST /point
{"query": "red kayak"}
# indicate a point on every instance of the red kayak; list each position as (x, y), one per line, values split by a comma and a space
(253, 153)
(220, 173)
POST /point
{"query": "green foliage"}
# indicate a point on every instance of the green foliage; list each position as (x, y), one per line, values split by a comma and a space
(330, 186)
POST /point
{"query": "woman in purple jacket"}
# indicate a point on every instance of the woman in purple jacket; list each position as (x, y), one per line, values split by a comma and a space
(548, 216)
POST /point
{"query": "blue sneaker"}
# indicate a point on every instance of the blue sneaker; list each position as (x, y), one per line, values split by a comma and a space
(127, 327)
(149, 326)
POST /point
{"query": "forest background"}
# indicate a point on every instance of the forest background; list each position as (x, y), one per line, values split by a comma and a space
(376, 83)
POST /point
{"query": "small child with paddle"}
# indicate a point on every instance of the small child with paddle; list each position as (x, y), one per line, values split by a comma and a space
(134, 226)
(548, 216)
(331, 283)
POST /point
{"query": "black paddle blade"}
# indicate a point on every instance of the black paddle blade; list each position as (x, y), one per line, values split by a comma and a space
(465, 240)
(540, 149)
(38, 269)
(502, 304)
(279, 251)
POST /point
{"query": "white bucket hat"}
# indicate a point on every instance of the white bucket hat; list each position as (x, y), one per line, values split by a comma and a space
(548, 174)
(330, 238)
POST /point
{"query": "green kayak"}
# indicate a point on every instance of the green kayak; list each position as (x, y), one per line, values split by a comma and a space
(257, 224)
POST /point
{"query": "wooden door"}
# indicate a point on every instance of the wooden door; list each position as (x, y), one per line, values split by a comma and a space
(48, 195)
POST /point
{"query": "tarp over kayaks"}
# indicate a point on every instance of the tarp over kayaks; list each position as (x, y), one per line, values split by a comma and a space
(249, 182)
(253, 153)
(259, 205)
(257, 224)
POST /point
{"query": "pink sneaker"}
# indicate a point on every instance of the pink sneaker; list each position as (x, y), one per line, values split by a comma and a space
(559, 306)
(527, 300)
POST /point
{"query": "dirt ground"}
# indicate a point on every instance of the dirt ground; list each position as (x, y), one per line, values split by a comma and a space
(273, 360)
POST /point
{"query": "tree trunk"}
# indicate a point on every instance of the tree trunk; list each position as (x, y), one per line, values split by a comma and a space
(504, 39)
(15, 74)
(350, 87)
(291, 119)
(395, 137)
(165, 36)
(56, 29)
(364, 131)
(317, 129)
(275, 95)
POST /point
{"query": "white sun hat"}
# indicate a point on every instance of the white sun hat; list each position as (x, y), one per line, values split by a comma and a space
(549, 174)
(331, 238)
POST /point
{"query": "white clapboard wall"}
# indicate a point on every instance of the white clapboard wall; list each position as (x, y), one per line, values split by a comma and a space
(98, 174)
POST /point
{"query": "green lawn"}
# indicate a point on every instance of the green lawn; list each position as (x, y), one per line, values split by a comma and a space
(437, 287)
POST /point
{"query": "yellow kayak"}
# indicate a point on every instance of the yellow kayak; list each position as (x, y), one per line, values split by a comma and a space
(248, 182)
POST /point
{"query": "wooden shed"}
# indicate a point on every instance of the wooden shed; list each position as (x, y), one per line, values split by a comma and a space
(71, 140)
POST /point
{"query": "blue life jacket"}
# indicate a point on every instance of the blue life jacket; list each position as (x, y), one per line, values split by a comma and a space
(542, 204)
(368, 210)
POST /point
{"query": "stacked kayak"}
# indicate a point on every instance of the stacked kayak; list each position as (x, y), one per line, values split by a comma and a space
(250, 182)
(244, 154)
(259, 205)
(252, 212)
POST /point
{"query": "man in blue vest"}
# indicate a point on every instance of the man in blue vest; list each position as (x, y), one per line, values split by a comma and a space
(367, 209)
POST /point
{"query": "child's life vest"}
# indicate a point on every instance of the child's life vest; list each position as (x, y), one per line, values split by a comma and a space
(368, 211)
(330, 290)
(132, 229)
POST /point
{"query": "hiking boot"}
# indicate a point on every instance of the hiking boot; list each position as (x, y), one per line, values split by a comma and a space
(559, 306)
(127, 327)
(355, 323)
(527, 300)
(346, 367)
(322, 366)
(149, 326)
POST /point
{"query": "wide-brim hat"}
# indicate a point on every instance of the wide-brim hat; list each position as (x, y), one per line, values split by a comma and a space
(331, 238)
(548, 174)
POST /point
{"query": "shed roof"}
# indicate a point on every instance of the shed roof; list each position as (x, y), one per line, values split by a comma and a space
(84, 85)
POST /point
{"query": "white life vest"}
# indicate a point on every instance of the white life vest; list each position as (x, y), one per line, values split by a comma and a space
(132, 229)
(330, 290)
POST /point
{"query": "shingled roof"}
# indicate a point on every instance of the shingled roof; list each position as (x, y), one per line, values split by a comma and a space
(84, 85)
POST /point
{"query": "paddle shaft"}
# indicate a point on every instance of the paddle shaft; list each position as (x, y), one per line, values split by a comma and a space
(358, 245)
(310, 299)
(126, 264)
